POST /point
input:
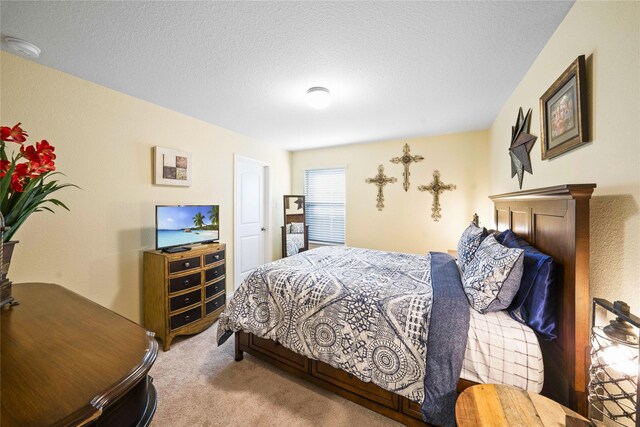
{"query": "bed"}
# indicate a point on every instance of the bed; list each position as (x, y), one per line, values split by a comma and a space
(554, 219)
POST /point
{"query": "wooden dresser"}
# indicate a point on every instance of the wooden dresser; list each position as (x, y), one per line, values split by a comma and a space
(67, 361)
(184, 293)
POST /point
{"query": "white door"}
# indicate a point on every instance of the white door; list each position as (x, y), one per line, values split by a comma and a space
(250, 217)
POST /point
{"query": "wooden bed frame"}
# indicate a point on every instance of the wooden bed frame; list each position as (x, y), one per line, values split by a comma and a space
(554, 220)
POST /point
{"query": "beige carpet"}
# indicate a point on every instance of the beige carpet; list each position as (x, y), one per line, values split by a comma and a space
(199, 384)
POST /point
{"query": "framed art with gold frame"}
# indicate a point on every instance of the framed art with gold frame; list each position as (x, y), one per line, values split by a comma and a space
(564, 121)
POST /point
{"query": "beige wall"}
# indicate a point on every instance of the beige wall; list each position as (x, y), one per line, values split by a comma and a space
(405, 224)
(104, 142)
(608, 33)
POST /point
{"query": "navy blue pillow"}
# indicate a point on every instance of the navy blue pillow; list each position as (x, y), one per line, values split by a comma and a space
(534, 302)
(500, 237)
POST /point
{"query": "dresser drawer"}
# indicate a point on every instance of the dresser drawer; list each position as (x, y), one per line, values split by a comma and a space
(347, 381)
(214, 273)
(178, 284)
(214, 289)
(189, 316)
(214, 257)
(181, 301)
(184, 264)
(215, 304)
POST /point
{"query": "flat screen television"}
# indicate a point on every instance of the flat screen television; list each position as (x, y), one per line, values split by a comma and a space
(181, 225)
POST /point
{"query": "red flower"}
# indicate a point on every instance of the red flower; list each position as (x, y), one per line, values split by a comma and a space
(17, 184)
(20, 175)
(21, 170)
(44, 148)
(30, 153)
(14, 134)
(45, 166)
(5, 165)
(5, 133)
(40, 157)
(28, 170)
(23, 176)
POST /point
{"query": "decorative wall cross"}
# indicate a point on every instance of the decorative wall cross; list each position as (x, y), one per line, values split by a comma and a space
(436, 188)
(406, 160)
(380, 180)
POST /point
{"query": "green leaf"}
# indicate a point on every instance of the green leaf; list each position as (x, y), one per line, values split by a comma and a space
(5, 181)
(17, 207)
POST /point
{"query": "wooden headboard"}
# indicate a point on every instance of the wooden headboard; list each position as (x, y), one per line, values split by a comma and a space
(556, 221)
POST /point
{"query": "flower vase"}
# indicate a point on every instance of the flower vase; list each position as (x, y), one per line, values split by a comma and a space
(5, 284)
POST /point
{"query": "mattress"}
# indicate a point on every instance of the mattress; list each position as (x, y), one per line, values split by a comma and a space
(501, 350)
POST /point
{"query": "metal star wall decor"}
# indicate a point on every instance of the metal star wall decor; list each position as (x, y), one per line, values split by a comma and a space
(436, 188)
(406, 160)
(380, 180)
(521, 144)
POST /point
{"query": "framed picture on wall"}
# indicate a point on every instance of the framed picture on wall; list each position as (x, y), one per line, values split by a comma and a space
(563, 112)
(172, 167)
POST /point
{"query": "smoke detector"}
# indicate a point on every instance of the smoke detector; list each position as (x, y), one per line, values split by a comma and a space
(23, 47)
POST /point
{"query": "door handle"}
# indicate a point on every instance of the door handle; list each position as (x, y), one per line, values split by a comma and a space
(263, 229)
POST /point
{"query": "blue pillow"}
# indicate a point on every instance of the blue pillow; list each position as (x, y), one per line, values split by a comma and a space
(534, 302)
(500, 237)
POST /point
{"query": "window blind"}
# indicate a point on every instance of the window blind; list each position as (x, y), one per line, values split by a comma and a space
(324, 203)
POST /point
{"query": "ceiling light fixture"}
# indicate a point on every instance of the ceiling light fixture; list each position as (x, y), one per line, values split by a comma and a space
(318, 97)
(23, 47)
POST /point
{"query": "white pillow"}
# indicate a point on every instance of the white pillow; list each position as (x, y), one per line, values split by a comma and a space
(297, 227)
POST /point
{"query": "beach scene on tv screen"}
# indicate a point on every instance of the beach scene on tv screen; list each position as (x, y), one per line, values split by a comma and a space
(183, 225)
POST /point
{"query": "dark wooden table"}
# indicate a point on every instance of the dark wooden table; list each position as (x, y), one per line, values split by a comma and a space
(69, 361)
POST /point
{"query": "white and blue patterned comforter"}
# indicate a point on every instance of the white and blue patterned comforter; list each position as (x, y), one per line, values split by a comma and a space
(295, 242)
(363, 311)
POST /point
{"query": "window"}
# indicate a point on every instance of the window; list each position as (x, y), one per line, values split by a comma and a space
(324, 202)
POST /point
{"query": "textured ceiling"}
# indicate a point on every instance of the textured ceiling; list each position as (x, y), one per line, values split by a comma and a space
(395, 69)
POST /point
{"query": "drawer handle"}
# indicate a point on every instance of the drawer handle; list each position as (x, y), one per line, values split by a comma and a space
(187, 265)
(186, 300)
(187, 317)
(217, 256)
(186, 282)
